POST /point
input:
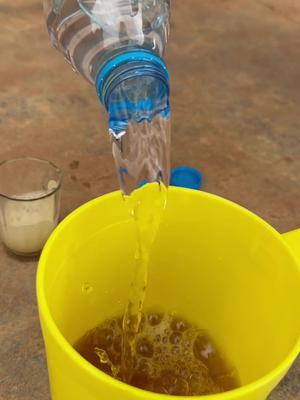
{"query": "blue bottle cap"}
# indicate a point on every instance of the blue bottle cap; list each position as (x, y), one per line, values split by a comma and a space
(143, 182)
(186, 177)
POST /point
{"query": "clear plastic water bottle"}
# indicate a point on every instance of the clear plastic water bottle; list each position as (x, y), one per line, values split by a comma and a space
(118, 45)
(89, 32)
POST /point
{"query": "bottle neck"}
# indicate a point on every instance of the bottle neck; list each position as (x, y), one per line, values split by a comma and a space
(135, 85)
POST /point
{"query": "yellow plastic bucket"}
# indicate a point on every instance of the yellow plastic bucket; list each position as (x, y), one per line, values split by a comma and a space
(215, 263)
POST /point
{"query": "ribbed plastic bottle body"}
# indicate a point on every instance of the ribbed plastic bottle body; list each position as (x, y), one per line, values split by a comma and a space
(89, 33)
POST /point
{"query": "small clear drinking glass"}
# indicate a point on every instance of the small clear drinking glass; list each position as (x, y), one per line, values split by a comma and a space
(29, 203)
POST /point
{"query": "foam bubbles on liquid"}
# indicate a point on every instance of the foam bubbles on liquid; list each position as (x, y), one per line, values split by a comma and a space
(171, 356)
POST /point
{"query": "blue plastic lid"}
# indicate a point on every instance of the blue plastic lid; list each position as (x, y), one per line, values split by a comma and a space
(187, 177)
(143, 182)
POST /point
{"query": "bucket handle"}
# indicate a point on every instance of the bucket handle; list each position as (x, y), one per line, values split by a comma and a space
(292, 238)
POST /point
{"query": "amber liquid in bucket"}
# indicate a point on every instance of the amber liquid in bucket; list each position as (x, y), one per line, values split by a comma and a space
(171, 356)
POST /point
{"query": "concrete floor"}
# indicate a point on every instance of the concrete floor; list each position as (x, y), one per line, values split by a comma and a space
(235, 97)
